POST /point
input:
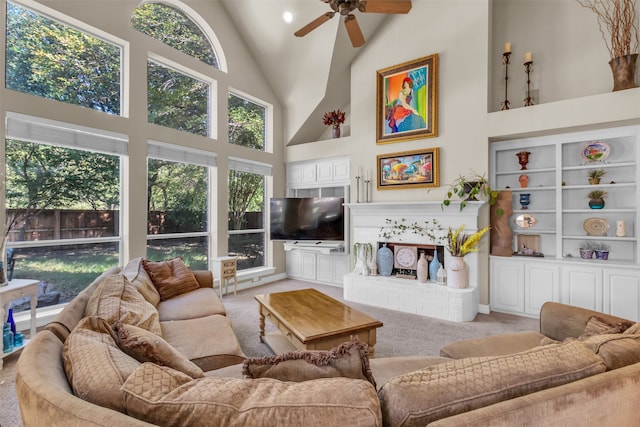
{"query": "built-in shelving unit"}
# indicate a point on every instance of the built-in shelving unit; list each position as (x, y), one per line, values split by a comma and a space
(558, 186)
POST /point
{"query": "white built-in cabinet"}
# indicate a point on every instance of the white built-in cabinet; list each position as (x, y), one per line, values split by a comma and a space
(558, 187)
(319, 178)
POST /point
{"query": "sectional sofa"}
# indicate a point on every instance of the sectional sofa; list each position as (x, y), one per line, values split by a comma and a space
(150, 344)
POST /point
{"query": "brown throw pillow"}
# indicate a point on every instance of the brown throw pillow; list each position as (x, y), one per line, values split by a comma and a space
(144, 346)
(348, 360)
(616, 350)
(171, 278)
(597, 326)
(633, 329)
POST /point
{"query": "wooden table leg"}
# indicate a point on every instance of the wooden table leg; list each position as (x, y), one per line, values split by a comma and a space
(261, 326)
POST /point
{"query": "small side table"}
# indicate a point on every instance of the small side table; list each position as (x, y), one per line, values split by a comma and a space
(224, 269)
(19, 288)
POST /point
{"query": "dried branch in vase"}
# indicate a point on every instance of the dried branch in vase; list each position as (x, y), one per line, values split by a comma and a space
(618, 19)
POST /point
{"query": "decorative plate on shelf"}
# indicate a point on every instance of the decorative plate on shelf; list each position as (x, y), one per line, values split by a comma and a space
(526, 221)
(595, 151)
(596, 226)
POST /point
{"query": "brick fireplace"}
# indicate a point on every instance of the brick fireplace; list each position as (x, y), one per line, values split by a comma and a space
(427, 299)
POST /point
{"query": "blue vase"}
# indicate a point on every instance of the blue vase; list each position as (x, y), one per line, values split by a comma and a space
(384, 258)
(434, 266)
(11, 322)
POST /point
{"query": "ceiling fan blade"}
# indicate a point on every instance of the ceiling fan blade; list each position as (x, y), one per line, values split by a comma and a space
(314, 24)
(386, 6)
(353, 29)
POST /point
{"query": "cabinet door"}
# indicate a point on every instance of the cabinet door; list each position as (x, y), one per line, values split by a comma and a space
(294, 264)
(325, 268)
(582, 286)
(622, 293)
(507, 285)
(308, 265)
(341, 171)
(324, 172)
(541, 284)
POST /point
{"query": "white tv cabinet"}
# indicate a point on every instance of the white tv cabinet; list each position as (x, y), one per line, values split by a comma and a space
(326, 262)
(558, 188)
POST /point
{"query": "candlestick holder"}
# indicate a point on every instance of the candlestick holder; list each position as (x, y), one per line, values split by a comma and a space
(528, 68)
(357, 189)
(505, 62)
(366, 190)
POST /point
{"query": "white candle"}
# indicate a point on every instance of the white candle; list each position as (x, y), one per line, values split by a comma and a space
(507, 47)
(527, 57)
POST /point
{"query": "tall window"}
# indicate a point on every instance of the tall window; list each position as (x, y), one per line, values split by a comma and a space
(247, 234)
(172, 27)
(176, 100)
(178, 205)
(62, 208)
(247, 123)
(55, 61)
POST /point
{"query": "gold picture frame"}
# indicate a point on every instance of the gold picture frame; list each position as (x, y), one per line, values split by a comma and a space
(407, 101)
(408, 169)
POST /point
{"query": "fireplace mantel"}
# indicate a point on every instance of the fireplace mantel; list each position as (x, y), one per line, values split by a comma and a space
(368, 218)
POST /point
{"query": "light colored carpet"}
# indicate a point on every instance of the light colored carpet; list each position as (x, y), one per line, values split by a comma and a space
(403, 334)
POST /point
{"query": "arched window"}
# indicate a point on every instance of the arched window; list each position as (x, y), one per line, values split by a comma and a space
(174, 28)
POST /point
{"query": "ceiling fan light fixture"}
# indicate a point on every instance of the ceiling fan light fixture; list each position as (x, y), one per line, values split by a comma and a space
(287, 16)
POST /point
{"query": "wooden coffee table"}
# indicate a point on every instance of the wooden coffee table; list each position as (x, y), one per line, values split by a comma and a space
(310, 320)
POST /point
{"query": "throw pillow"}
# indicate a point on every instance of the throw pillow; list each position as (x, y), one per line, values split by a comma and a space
(595, 326)
(163, 396)
(616, 350)
(136, 274)
(348, 360)
(95, 367)
(117, 299)
(171, 278)
(633, 329)
(144, 346)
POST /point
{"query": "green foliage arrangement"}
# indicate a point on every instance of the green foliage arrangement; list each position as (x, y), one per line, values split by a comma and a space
(431, 229)
(469, 187)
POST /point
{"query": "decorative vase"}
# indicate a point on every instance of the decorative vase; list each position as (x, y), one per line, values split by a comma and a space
(442, 276)
(525, 199)
(384, 258)
(7, 338)
(373, 268)
(335, 131)
(434, 266)
(11, 322)
(623, 69)
(524, 181)
(596, 203)
(523, 159)
(423, 268)
(621, 229)
(501, 233)
(586, 253)
(457, 273)
(603, 255)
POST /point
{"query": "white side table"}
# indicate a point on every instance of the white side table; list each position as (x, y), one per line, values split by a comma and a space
(225, 269)
(19, 288)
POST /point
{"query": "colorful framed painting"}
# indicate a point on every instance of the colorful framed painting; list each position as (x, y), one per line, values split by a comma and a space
(409, 169)
(407, 101)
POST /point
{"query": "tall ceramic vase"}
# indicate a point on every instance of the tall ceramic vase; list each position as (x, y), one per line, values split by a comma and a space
(434, 266)
(423, 268)
(457, 273)
(385, 260)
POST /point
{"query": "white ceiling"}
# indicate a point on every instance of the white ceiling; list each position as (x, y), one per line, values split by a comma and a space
(323, 58)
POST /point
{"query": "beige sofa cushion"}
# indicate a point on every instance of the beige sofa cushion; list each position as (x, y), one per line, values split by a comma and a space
(209, 342)
(117, 299)
(495, 345)
(171, 278)
(446, 389)
(95, 366)
(164, 396)
(633, 329)
(349, 360)
(199, 303)
(136, 274)
(617, 350)
(145, 346)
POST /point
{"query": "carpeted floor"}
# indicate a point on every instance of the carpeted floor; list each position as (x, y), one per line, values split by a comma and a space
(403, 334)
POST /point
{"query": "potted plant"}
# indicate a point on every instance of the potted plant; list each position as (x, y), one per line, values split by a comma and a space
(595, 175)
(460, 244)
(334, 119)
(469, 188)
(596, 199)
(601, 251)
(618, 19)
(586, 250)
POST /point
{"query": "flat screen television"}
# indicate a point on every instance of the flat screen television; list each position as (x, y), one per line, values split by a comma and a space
(307, 218)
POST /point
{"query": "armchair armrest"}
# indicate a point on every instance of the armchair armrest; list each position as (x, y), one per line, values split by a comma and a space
(204, 278)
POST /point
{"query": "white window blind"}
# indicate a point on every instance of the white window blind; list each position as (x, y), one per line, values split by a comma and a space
(177, 153)
(250, 166)
(44, 131)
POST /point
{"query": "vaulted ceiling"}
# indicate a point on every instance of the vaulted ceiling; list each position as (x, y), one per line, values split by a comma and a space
(309, 74)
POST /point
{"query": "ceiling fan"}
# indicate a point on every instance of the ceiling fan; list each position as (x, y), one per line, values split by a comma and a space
(345, 7)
